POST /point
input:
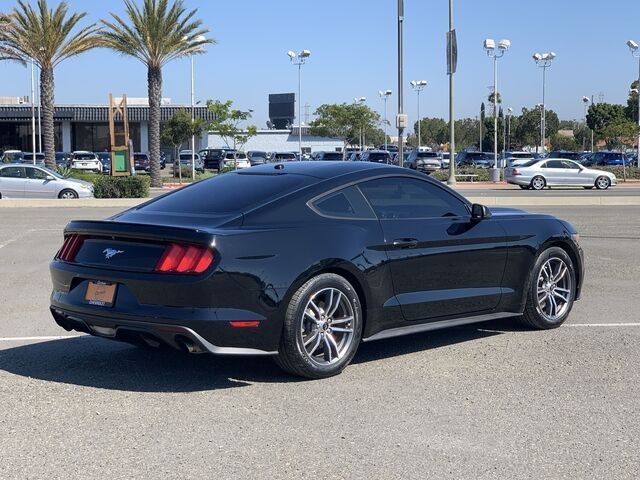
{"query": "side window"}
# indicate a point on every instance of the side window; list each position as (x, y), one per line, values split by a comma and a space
(345, 203)
(402, 197)
(555, 164)
(11, 172)
(35, 174)
(571, 165)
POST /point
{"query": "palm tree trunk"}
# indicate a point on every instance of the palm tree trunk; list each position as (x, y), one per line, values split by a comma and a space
(47, 100)
(154, 79)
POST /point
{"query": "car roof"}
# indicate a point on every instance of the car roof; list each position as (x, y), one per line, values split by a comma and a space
(324, 170)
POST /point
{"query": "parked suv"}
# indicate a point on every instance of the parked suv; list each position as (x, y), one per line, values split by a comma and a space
(212, 156)
(377, 156)
(88, 161)
(607, 159)
(474, 159)
(141, 162)
(565, 154)
(427, 162)
(324, 156)
(284, 157)
(257, 157)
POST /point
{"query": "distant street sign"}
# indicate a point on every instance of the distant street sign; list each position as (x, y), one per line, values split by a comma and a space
(452, 52)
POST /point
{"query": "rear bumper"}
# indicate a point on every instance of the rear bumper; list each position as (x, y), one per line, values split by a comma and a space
(179, 337)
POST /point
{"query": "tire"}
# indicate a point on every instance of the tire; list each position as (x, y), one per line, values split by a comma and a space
(538, 183)
(311, 345)
(67, 193)
(602, 183)
(552, 289)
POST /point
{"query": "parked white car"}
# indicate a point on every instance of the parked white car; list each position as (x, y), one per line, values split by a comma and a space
(557, 172)
(32, 181)
(83, 160)
(236, 160)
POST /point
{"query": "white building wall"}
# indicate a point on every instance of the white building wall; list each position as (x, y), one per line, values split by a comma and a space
(280, 141)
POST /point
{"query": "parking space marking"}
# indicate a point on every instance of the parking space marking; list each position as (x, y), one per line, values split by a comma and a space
(630, 324)
(27, 232)
(38, 339)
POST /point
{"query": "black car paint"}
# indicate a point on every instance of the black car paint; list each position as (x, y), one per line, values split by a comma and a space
(458, 268)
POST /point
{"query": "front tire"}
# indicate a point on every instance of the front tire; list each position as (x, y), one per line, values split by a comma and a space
(551, 290)
(538, 183)
(602, 183)
(66, 194)
(322, 328)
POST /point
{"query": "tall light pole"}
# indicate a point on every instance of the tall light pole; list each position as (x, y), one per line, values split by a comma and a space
(452, 58)
(543, 60)
(492, 52)
(299, 59)
(586, 100)
(385, 94)
(635, 51)
(401, 118)
(506, 144)
(361, 101)
(199, 38)
(418, 86)
(33, 110)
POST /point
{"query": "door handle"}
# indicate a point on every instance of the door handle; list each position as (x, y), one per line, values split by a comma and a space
(405, 243)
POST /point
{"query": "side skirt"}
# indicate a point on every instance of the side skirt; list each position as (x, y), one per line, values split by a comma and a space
(425, 327)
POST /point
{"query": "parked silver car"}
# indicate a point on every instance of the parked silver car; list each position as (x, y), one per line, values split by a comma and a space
(557, 172)
(28, 181)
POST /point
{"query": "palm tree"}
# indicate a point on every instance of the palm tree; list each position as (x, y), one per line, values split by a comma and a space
(6, 53)
(48, 37)
(155, 34)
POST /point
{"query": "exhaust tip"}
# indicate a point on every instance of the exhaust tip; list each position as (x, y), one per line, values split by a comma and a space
(188, 345)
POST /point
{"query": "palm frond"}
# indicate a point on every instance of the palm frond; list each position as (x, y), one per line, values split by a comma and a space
(155, 33)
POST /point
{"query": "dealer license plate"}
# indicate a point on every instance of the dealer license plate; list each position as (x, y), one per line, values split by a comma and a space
(100, 293)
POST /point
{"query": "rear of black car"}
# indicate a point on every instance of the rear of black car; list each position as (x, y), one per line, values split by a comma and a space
(212, 157)
(156, 274)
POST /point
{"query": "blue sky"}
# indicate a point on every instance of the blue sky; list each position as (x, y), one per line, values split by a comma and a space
(353, 45)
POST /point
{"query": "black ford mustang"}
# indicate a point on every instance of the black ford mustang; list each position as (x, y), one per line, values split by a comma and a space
(305, 260)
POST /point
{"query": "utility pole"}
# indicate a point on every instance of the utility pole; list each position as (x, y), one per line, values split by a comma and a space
(401, 119)
(452, 57)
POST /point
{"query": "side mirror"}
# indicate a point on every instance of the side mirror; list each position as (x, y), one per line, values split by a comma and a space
(50, 178)
(479, 212)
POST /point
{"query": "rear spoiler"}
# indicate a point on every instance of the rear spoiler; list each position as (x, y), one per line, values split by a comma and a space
(162, 233)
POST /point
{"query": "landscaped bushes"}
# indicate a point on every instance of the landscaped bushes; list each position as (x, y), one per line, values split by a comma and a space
(632, 172)
(121, 187)
(482, 174)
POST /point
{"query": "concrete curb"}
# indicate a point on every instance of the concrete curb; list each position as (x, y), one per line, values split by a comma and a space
(488, 200)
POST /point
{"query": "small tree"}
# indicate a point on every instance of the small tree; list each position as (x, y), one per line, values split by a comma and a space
(227, 125)
(179, 129)
(344, 121)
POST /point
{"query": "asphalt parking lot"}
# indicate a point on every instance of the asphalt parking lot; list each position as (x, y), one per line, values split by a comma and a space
(485, 401)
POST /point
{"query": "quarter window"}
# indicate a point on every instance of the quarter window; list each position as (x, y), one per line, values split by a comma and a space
(402, 197)
(345, 203)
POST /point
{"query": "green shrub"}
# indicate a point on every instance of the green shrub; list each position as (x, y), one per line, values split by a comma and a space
(82, 175)
(482, 174)
(633, 173)
(121, 187)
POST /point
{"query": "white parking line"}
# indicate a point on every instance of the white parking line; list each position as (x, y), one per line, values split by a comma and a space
(37, 339)
(630, 324)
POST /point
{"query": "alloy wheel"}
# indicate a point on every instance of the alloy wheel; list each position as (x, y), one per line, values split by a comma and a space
(68, 194)
(538, 183)
(327, 326)
(554, 289)
(602, 183)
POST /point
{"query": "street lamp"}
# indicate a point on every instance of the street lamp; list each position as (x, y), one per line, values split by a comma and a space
(361, 101)
(586, 100)
(506, 144)
(199, 39)
(418, 86)
(33, 110)
(299, 59)
(385, 96)
(635, 52)
(492, 52)
(543, 60)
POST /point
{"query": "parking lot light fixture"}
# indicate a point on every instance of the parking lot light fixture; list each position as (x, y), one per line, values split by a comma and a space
(418, 86)
(299, 59)
(635, 52)
(495, 54)
(361, 101)
(586, 100)
(543, 60)
(385, 94)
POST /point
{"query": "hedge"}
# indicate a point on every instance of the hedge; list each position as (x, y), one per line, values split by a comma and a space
(121, 187)
(482, 174)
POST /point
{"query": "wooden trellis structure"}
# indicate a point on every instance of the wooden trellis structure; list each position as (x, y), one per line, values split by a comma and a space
(120, 154)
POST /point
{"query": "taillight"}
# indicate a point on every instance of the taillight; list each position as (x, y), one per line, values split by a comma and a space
(514, 172)
(70, 247)
(187, 259)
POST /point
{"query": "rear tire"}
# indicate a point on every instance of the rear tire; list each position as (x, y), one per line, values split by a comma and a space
(551, 290)
(322, 328)
(538, 183)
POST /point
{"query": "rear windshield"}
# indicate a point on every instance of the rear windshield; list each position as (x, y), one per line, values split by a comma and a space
(427, 154)
(378, 156)
(140, 156)
(530, 162)
(84, 156)
(232, 192)
(332, 156)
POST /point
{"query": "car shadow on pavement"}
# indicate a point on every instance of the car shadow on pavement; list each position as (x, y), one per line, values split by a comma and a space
(99, 363)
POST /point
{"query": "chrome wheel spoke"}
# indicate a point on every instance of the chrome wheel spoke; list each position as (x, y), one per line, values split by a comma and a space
(338, 321)
(560, 296)
(311, 338)
(341, 330)
(334, 353)
(315, 345)
(334, 302)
